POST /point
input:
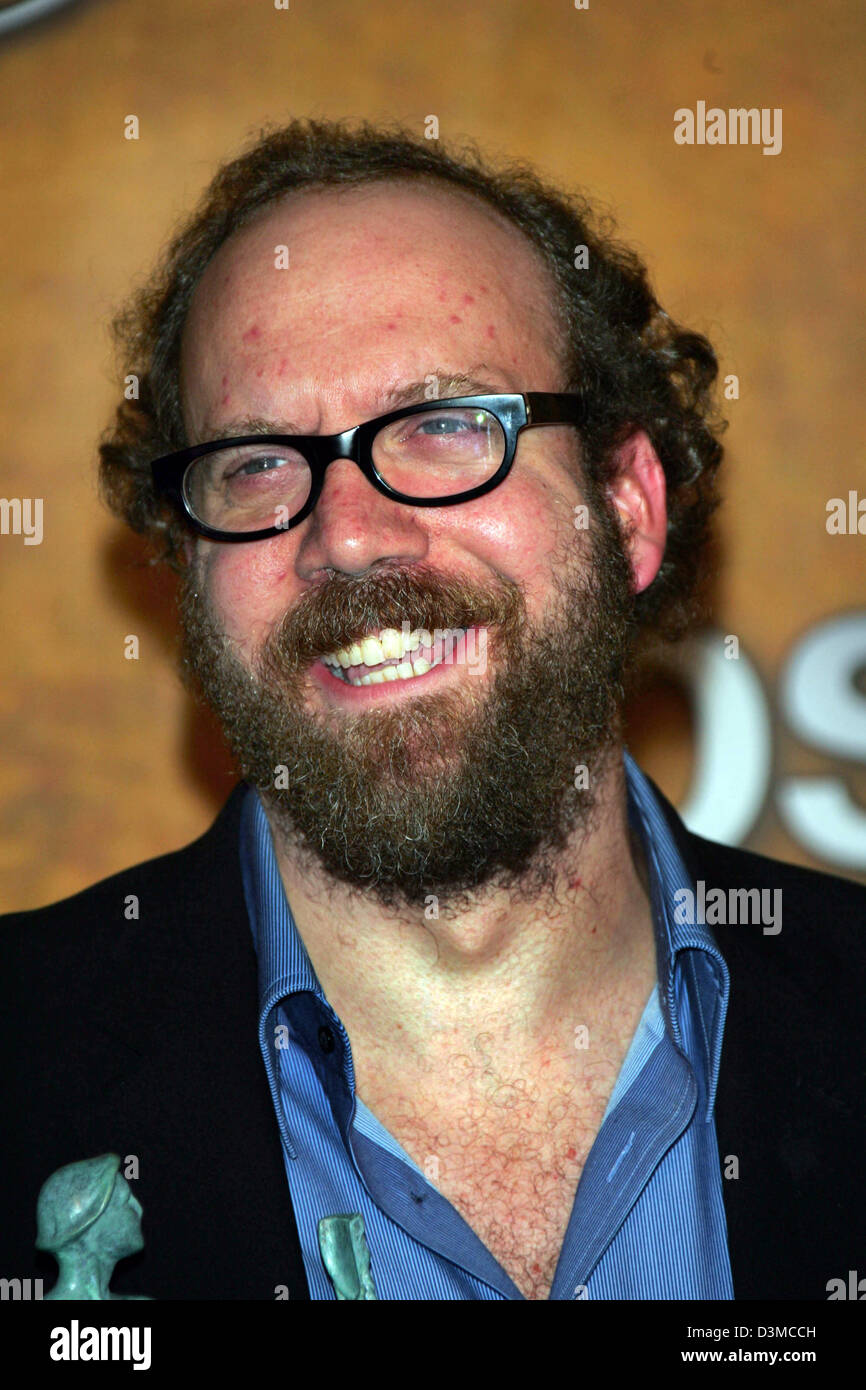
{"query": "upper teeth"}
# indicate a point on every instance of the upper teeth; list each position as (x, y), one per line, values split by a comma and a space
(390, 645)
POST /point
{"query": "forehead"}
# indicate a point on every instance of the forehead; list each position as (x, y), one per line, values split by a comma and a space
(327, 279)
(351, 233)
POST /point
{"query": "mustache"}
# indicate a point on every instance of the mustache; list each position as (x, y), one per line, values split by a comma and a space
(346, 607)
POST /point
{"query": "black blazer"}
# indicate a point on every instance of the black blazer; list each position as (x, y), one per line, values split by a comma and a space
(141, 1037)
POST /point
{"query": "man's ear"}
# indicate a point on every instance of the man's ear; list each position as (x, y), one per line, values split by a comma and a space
(639, 493)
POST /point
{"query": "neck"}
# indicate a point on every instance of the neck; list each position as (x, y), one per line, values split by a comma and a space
(525, 972)
(82, 1275)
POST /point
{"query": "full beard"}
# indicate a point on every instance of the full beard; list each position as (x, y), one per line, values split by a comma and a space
(433, 796)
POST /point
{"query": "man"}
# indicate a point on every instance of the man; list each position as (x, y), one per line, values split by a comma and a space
(434, 465)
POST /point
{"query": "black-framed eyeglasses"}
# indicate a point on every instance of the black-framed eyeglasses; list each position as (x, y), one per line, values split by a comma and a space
(433, 454)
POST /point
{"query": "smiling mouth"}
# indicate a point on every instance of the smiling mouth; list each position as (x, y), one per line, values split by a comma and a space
(388, 656)
(406, 671)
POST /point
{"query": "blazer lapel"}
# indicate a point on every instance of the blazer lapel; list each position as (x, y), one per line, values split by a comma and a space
(787, 1127)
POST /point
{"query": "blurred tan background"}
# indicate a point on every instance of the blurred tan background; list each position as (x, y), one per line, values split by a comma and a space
(105, 761)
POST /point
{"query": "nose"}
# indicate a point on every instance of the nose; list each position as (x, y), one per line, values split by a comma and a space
(354, 526)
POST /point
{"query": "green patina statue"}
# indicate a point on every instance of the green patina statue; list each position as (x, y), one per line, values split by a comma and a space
(88, 1219)
(346, 1257)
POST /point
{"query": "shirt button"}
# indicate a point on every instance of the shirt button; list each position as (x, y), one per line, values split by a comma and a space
(326, 1039)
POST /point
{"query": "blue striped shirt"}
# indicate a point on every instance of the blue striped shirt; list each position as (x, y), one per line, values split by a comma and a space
(648, 1219)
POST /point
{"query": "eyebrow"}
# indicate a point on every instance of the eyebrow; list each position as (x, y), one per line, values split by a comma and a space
(393, 398)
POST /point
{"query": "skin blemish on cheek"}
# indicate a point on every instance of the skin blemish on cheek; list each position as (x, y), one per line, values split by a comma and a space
(454, 318)
(469, 299)
(282, 367)
(491, 331)
(251, 334)
(391, 326)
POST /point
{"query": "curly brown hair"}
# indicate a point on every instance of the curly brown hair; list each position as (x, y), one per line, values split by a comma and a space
(636, 368)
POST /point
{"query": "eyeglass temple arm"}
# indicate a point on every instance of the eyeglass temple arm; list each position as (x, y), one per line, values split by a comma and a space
(552, 408)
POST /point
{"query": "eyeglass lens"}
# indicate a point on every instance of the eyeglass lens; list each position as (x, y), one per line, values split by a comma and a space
(434, 453)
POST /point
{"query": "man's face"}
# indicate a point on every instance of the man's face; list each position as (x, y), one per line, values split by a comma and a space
(463, 775)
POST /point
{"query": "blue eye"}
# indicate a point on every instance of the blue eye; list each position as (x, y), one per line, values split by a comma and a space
(435, 425)
(262, 463)
(454, 422)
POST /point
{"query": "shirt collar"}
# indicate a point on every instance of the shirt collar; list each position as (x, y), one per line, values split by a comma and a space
(677, 942)
(284, 966)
